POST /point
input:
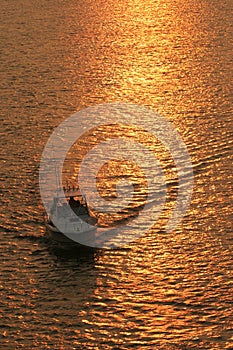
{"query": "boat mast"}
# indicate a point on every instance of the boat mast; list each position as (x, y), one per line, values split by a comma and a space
(57, 178)
(85, 200)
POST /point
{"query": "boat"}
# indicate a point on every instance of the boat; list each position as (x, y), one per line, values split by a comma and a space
(69, 218)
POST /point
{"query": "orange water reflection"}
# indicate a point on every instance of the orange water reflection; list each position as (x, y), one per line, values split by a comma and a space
(166, 291)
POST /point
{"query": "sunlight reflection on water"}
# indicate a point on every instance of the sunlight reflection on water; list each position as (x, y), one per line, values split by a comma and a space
(167, 291)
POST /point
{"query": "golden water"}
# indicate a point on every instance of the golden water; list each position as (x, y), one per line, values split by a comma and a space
(168, 291)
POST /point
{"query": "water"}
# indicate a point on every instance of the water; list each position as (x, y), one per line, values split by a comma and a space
(166, 291)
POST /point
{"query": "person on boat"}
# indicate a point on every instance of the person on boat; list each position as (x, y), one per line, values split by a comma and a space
(73, 202)
(78, 207)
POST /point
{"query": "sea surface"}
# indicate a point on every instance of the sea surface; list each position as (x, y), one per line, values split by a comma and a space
(165, 291)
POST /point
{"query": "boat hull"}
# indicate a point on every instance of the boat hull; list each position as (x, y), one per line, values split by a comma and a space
(61, 239)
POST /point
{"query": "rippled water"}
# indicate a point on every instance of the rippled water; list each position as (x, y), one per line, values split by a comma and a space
(165, 291)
